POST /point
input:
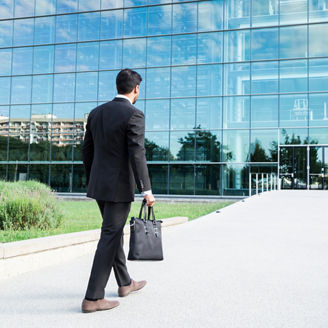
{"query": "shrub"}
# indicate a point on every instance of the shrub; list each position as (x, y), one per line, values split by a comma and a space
(28, 204)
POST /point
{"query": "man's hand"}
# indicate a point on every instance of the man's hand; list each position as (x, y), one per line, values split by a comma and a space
(150, 199)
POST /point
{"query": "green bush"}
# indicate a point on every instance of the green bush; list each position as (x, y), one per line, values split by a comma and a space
(28, 204)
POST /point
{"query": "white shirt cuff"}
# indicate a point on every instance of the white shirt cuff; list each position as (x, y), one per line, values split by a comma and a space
(147, 192)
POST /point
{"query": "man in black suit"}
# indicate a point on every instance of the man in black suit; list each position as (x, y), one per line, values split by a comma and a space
(114, 160)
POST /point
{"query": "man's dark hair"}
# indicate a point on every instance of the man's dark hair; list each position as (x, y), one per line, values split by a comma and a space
(126, 81)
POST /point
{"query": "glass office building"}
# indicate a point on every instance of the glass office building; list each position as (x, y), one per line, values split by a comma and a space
(229, 87)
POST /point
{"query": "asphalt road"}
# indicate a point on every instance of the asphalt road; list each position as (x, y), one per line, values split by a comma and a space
(259, 263)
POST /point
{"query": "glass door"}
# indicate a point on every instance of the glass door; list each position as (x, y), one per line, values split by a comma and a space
(319, 168)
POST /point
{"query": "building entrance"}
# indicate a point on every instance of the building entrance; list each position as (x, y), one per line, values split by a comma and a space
(303, 167)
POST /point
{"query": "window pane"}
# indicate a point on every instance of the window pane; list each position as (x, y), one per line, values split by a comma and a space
(265, 44)
(66, 28)
(158, 178)
(236, 46)
(237, 14)
(65, 58)
(134, 53)
(80, 119)
(236, 180)
(185, 18)
(236, 79)
(182, 146)
(318, 75)
(182, 179)
(43, 58)
(17, 172)
(264, 111)
(39, 172)
(24, 8)
(109, 4)
(293, 76)
(183, 81)
(21, 90)
(157, 114)
(318, 109)
(293, 42)
(44, 30)
(182, 113)
(5, 91)
(294, 110)
(7, 9)
(135, 22)
(294, 136)
(131, 3)
(45, 7)
(61, 177)
(209, 48)
(79, 179)
(159, 51)
(208, 146)
(236, 112)
(64, 87)
(319, 136)
(207, 180)
(89, 26)
(235, 145)
(62, 132)
(265, 77)
(5, 62)
(6, 32)
(209, 113)
(157, 146)
(158, 83)
(265, 12)
(209, 80)
(66, 6)
(87, 56)
(19, 132)
(22, 60)
(184, 49)
(317, 34)
(42, 88)
(87, 5)
(110, 55)
(41, 116)
(86, 86)
(210, 15)
(23, 32)
(107, 85)
(111, 24)
(292, 11)
(318, 10)
(159, 20)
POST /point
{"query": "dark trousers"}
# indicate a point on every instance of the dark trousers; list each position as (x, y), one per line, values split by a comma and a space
(109, 251)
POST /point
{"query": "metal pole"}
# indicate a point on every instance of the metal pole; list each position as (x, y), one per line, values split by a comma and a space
(267, 181)
(271, 181)
(308, 167)
(257, 183)
(250, 185)
(262, 178)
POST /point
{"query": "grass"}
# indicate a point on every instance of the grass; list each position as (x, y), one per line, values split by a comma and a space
(85, 215)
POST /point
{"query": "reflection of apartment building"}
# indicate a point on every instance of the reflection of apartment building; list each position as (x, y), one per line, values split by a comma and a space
(48, 127)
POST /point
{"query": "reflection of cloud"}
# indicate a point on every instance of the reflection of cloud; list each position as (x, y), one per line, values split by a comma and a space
(71, 4)
(210, 16)
(45, 7)
(5, 31)
(109, 4)
(86, 5)
(25, 8)
(6, 9)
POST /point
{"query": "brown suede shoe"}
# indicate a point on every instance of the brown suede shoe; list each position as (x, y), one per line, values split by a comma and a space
(99, 305)
(134, 286)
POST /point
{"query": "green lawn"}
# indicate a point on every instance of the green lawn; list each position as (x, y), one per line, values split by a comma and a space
(85, 215)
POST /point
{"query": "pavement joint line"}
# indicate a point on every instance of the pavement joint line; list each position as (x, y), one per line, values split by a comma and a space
(42, 244)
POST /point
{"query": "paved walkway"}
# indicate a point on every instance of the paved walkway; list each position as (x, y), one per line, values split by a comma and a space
(258, 263)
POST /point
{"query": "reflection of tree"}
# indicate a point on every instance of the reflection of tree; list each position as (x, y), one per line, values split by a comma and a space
(155, 152)
(258, 153)
(207, 146)
(3, 148)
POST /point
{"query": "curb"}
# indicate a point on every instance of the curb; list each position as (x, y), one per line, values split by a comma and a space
(42, 244)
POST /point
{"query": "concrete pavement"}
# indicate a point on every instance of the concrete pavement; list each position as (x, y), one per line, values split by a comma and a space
(258, 263)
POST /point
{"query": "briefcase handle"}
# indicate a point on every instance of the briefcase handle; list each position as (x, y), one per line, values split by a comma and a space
(144, 209)
(151, 212)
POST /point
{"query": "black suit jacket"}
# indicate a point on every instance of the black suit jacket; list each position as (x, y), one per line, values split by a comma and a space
(113, 152)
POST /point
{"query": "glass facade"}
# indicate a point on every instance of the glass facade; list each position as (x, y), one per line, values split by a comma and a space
(225, 84)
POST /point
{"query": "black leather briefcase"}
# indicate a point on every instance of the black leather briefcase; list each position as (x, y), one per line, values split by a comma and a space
(145, 236)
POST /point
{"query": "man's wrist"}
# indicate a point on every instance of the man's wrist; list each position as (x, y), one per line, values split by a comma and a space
(147, 192)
